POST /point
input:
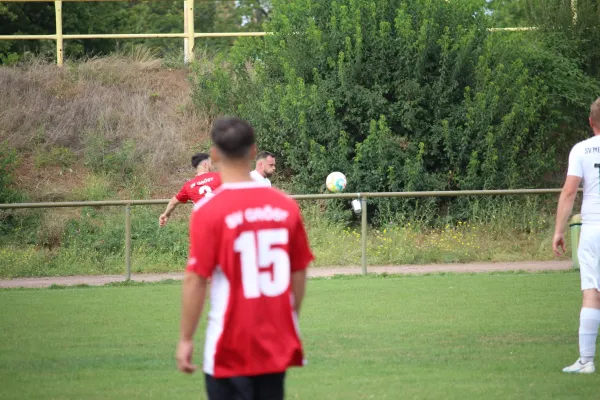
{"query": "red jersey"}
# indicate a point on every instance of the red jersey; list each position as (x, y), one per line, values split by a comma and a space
(249, 238)
(201, 185)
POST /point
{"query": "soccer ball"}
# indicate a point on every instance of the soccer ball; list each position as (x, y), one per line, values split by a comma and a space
(336, 182)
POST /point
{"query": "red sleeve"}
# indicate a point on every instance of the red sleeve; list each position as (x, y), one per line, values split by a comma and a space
(204, 244)
(300, 254)
(182, 196)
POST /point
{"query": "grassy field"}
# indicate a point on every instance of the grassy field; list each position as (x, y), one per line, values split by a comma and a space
(492, 336)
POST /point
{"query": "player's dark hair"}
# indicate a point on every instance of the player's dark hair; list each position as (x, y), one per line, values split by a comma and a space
(198, 158)
(263, 155)
(232, 136)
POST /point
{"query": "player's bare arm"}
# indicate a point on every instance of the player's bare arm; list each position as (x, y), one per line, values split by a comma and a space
(565, 207)
(194, 293)
(164, 217)
(298, 284)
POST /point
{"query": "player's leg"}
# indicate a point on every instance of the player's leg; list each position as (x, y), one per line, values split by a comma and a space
(269, 386)
(589, 319)
(239, 388)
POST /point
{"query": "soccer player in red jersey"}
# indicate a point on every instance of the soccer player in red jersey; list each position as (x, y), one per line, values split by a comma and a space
(202, 185)
(249, 239)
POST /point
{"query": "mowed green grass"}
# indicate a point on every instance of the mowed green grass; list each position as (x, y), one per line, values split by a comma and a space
(483, 336)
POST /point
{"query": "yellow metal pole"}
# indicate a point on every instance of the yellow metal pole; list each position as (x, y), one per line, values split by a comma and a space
(190, 29)
(172, 35)
(186, 44)
(230, 34)
(59, 33)
(28, 37)
(124, 36)
(130, 35)
(521, 29)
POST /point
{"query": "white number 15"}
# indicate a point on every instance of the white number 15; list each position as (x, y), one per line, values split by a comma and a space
(256, 253)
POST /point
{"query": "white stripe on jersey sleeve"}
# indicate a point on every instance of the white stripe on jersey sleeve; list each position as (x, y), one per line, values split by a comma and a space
(219, 298)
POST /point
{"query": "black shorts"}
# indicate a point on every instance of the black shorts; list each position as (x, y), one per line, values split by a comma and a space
(260, 387)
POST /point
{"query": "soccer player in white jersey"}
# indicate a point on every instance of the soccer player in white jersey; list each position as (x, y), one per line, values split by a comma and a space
(584, 165)
(265, 167)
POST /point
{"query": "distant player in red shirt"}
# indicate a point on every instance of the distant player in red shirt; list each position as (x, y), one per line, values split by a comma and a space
(202, 185)
(250, 240)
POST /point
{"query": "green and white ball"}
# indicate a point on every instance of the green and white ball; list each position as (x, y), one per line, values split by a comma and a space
(336, 182)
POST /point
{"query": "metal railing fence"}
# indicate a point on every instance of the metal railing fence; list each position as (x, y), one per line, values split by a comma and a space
(362, 197)
(188, 35)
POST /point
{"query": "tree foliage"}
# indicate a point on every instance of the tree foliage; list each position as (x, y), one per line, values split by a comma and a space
(401, 95)
(572, 28)
(509, 13)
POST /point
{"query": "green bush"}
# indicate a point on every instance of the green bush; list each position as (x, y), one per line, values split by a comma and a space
(576, 37)
(55, 156)
(105, 156)
(9, 59)
(101, 232)
(401, 96)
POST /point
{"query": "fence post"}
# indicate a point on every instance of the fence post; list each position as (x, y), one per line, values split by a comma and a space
(190, 30)
(59, 33)
(128, 242)
(363, 232)
(185, 31)
(575, 226)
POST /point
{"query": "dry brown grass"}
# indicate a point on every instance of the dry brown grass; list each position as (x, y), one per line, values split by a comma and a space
(52, 227)
(48, 183)
(117, 99)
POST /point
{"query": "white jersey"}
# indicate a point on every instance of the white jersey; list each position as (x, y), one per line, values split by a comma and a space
(584, 162)
(259, 178)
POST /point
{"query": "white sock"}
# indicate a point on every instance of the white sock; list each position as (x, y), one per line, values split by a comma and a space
(589, 320)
